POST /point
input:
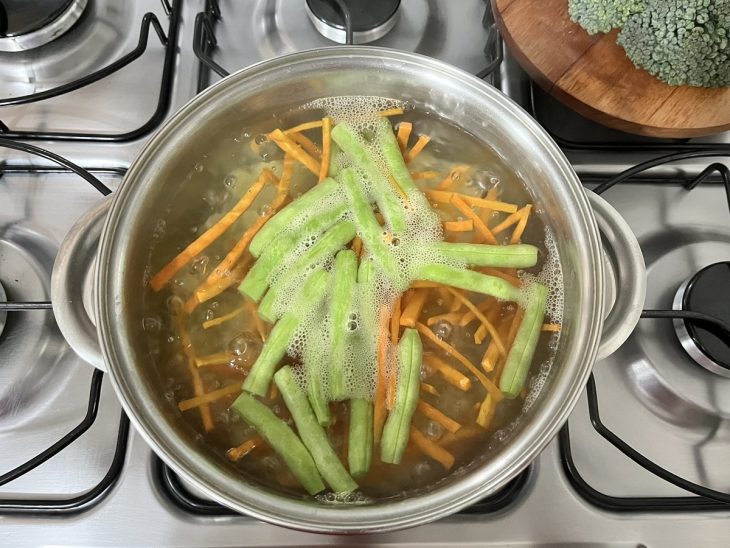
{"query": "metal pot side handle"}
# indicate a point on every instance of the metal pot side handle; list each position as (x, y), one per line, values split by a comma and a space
(622, 255)
(75, 259)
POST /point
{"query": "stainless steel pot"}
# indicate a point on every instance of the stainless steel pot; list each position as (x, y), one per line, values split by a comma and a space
(592, 270)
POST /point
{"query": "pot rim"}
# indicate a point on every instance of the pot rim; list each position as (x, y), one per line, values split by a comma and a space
(211, 479)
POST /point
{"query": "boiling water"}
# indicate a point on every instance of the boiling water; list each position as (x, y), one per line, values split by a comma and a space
(215, 182)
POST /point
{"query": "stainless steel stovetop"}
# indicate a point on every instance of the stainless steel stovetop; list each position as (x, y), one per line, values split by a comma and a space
(107, 488)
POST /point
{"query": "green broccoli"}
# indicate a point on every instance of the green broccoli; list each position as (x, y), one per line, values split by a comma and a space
(681, 42)
(603, 15)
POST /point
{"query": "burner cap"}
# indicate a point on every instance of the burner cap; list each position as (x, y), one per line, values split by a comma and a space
(27, 24)
(706, 292)
(371, 19)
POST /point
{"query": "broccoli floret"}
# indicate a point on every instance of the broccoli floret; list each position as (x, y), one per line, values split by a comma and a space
(603, 15)
(681, 42)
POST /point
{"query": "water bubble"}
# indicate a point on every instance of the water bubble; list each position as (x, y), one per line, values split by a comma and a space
(151, 324)
(264, 210)
(199, 167)
(261, 139)
(443, 330)
(170, 396)
(433, 430)
(230, 181)
(209, 315)
(352, 326)
(246, 134)
(174, 303)
(199, 265)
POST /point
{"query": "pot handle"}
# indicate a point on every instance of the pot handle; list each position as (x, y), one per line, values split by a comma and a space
(74, 272)
(625, 276)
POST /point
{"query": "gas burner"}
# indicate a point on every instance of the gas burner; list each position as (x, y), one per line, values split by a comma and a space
(705, 292)
(26, 25)
(371, 19)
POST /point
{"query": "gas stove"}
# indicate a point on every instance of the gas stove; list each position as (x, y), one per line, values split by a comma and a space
(642, 460)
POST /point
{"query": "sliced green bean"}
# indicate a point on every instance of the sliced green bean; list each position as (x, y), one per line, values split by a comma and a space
(281, 439)
(331, 242)
(394, 158)
(315, 348)
(313, 197)
(341, 306)
(519, 358)
(360, 439)
(370, 231)
(366, 271)
(468, 280)
(259, 378)
(255, 283)
(397, 426)
(500, 256)
(312, 434)
(388, 201)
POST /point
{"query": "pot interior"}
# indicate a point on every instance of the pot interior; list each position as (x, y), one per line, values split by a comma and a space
(161, 200)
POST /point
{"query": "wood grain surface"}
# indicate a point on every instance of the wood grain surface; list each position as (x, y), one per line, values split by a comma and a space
(592, 75)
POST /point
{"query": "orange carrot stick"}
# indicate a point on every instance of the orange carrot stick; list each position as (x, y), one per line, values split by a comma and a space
(222, 319)
(450, 350)
(453, 175)
(212, 234)
(289, 147)
(449, 373)
(217, 284)
(254, 311)
(446, 197)
(326, 148)
(469, 316)
(466, 225)
(198, 388)
(219, 358)
(404, 133)
(304, 127)
(379, 408)
(357, 246)
(236, 453)
(394, 333)
(486, 412)
(437, 416)
(429, 389)
(424, 285)
(514, 280)
(450, 317)
(396, 111)
(209, 397)
(416, 175)
(431, 449)
(417, 148)
(520, 228)
(307, 144)
(483, 319)
(410, 315)
(511, 333)
(479, 225)
(551, 327)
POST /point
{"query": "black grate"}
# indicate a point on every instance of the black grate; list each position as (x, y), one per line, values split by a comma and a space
(169, 41)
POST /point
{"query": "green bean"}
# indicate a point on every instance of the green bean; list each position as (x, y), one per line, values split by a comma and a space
(370, 231)
(468, 280)
(315, 348)
(360, 439)
(520, 355)
(397, 426)
(501, 256)
(383, 192)
(394, 158)
(258, 379)
(281, 439)
(341, 306)
(312, 434)
(313, 197)
(366, 270)
(255, 283)
(331, 242)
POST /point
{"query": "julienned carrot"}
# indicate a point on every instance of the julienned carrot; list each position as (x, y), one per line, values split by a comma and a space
(469, 316)
(198, 388)
(326, 148)
(307, 144)
(222, 319)
(412, 311)
(394, 332)
(236, 453)
(551, 327)
(429, 389)
(218, 284)
(404, 133)
(511, 333)
(491, 355)
(467, 225)
(212, 234)
(437, 416)
(450, 317)
(209, 397)
(449, 373)
(482, 318)
(510, 220)
(381, 386)
(479, 225)
(417, 148)
(447, 197)
(253, 310)
(481, 333)
(486, 411)
(501, 273)
(431, 449)
(520, 228)
(450, 350)
(289, 147)
(204, 292)
(357, 246)
(219, 358)
(453, 175)
(396, 111)
(456, 303)
(417, 175)
(304, 127)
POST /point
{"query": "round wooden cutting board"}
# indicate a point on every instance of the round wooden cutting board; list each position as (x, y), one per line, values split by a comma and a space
(592, 75)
